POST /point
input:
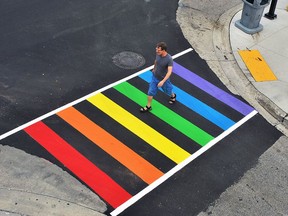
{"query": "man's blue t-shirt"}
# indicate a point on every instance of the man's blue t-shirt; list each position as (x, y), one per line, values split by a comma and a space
(161, 66)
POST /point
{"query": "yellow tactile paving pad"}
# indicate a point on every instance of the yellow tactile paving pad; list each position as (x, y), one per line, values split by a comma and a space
(257, 66)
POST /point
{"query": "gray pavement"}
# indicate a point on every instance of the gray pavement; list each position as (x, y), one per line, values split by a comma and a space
(34, 186)
(261, 191)
(272, 44)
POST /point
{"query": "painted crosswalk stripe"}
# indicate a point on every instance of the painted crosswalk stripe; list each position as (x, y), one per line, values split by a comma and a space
(102, 176)
(167, 115)
(212, 90)
(142, 130)
(142, 168)
(180, 166)
(95, 178)
(197, 106)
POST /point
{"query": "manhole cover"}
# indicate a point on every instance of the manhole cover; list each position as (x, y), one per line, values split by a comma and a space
(128, 60)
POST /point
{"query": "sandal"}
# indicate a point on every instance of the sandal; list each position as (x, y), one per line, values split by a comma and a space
(172, 100)
(145, 109)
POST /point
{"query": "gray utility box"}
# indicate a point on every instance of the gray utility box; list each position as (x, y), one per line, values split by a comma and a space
(251, 15)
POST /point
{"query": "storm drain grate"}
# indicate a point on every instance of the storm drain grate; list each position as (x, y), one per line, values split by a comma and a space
(128, 60)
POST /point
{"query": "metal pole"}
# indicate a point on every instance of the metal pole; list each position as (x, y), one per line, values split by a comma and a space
(271, 14)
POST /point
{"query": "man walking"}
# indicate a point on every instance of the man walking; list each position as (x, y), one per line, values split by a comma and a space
(161, 76)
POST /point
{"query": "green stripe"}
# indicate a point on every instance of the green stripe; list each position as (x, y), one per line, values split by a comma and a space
(165, 114)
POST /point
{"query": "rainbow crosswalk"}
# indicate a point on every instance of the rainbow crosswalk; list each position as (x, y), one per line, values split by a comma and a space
(118, 151)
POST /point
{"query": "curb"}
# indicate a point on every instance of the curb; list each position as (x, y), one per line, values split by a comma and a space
(21, 202)
(34, 186)
(230, 68)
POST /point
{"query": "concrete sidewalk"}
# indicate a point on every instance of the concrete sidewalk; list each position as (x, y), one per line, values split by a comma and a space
(273, 46)
(34, 186)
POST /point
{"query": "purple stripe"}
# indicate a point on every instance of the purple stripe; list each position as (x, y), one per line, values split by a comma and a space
(211, 89)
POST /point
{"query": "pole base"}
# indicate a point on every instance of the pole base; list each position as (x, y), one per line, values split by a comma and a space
(270, 16)
(239, 25)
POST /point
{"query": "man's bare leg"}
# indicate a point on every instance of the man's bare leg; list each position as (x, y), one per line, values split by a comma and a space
(149, 100)
(148, 106)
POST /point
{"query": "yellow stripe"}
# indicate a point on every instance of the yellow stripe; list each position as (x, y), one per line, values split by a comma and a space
(257, 65)
(144, 131)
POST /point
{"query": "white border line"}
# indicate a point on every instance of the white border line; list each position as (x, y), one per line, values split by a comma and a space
(84, 98)
(178, 167)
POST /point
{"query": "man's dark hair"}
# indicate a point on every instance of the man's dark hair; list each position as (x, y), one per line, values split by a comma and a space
(162, 45)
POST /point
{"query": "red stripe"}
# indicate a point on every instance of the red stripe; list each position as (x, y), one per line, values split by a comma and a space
(95, 178)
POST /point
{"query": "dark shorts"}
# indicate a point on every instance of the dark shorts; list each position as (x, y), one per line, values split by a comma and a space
(167, 87)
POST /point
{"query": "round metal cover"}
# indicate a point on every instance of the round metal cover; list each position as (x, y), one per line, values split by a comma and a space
(128, 60)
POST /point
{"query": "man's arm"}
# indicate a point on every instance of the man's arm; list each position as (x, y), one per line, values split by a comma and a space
(168, 74)
(154, 66)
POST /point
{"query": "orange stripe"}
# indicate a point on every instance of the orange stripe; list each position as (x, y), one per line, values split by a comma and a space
(111, 145)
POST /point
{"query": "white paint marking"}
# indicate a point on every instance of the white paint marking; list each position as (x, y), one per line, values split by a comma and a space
(182, 53)
(180, 166)
(84, 98)
(167, 175)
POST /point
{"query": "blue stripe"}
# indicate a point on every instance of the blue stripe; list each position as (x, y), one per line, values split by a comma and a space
(211, 89)
(196, 105)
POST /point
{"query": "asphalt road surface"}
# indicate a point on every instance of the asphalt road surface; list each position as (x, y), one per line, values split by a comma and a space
(53, 53)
